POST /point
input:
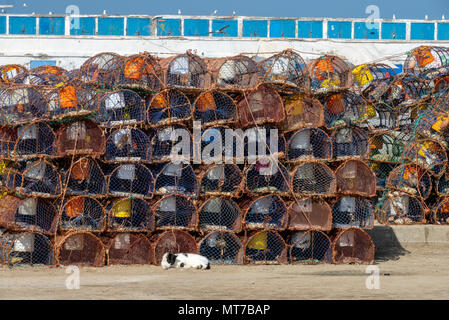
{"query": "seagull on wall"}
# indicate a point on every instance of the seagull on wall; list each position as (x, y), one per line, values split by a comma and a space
(25, 5)
(394, 16)
(443, 17)
(214, 13)
(179, 11)
(233, 13)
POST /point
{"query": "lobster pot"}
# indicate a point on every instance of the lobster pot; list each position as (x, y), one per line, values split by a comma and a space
(131, 180)
(310, 247)
(350, 142)
(440, 215)
(309, 214)
(168, 107)
(412, 179)
(223, 179)
(328, 74)
(381, 170)
(427, 61)
(34, 140)
(186, 71)
(261, 142)
(121, 108)
(173, 241)
(214, 145)
(441, 85)
(177, 178)
(126, 215)
(130, 248)
(213, 108)
(406, 90)
(170, 144)
(9, 71)
(8, 139)
(102, 69)
(386, 147)
(29, 214)
(429, 154)
(285, 70)
(314, 178)
(83, 213)
(267, 176)
(22, 104)
(265, 247)
(302, 111)
(219, 214)
(352, 246)
(352, 212)
(434, 125)
(25, 248)
(141, 71)
(80, 137)
(260, 105)
(381, 117)
(442, 188)
(128, 145)
(86, 178)
(38, 178)
(370, 78)
(344, 108)
(222, 247)
(267, 212)
(239, 72)
(355, 177)
(175, 212)
(80, 248)
(309, 145)
(401, 208)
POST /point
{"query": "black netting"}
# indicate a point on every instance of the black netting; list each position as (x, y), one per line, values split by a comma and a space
(175, 211)
(25, 248)
(381, 170)
(83, 213)
(349, 143)
(222, 247)
(411, 179)
(85, 178)
(130, 215)
(186, 70)
(351, 211)
(141, 71)
(308, 145)
(268, 212)
(120, 108)
(102, 69)
(177, 178)
(310, 247)
(128, 145)
(214, 107)
(314, 178)
(219, 214)
(131, 180)
(265, 247)
(267, 176)
(34, 140)
(238, 72)
(343, 109)
(167, 142)
(225, 179)
(169, 107)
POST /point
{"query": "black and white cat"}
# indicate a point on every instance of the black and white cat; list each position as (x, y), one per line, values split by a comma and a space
(184, 260)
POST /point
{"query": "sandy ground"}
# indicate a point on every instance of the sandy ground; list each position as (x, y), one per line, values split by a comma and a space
(420, 273)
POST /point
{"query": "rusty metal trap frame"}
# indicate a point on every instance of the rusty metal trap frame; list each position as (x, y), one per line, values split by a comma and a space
(412, 179)
(428, 153)
(267, 176)
(343, 109)
(352, 212)
(80, 248)
(401, 208)
(406, 90)
(442, 185)
(309, 247)
(222, 247)
(179, 178)
(214, 142)
(440, 86)
(427, 61)
(380, 117)
(313, 179)
(85, 177)
(372, 79)
(44, 75)
(381, 170)
(130, 215)
(164, 141)
(350, 142)
(175, 211)
(309, 144)
(328, 74)
(129, 249)
(351, 246)
(173, 241)
(302, 111)
(127, 145)
(219, 214)
(131, 180)
(82, 213)
(214, 107)
(309, 213)
(354, 177)
(25, 248)
(387, 147)
(168, 107)
(434, 125)
(221, 180)
(102, 69)
(266, 212)
(33, 178)
(440, 214)
(265, 247)
(141, 71)
(258, 143)
(9, 71)
(28, 214)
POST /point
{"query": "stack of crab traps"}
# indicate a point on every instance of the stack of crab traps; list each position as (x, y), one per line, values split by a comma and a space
(241, 159)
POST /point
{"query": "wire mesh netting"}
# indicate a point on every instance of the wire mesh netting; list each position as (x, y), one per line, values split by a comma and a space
(29, 141)
(442, 185)
(239, 72)
(328, 74)
(355, 177)
(265, 247)
(166, 143)
(406, 90)
(187, 71)
(219, 213)
(83, 213)
(352, 212)
(9, 71)
(121, 108)
(126, 215)
(131, 180)
(222, 247)
(25, 248)
(308, 145)
(381, 170)
(401, 208)
(344, 109)
(130, 248)
(267, 176)
(102, 69)
(173, 241)
(429, 154)
(261, 142)
(214, 107)
(302, 111)
(214, 144)
(169, 107)
(175, 211)
(372, 79)
(313, 178)
(427, 61)
(440, 215)
(386, 147)
(80, 248)
(224, 179)
(267, 212)
(352, 246)
(380, 117)
(350, 142)
(412, 179)
(128, 145)
(85, 177)
(177, 178)
(310, 247)
(309, 214)
(141, 71)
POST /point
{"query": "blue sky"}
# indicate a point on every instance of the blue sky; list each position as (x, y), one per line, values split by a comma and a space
(403, 9)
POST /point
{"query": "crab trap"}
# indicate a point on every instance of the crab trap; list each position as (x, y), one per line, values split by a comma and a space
(427, 61)
(260, 142)
(80, 248)
(84, 214)
(349, 143)
(442, 185)
(302, 111)
(141, 71)
(221, 247)
(412, 179)
(400, 208)
(175, 211)
(213, 107)
(129, 249)
(430, 154)
(239, 72)
(386, 147)
(354, 177)
(260, 105)
(267, 176)
(352, 212)
(434, 125)
(406, 90)
(328, 74)
(86, 178)
(9, 71)
(381, 170)
(42, 76)
(219, 214)
(344, 109)
(131, 180)
(121, 108)
(440, 215)
(25, 248)
(265, 247)
(28, 214)
(310, 247)
(372, 79)
(309, 214)
(311, 144)
(221, 180)
(169, 107)
(127, 145)
(127, 215)
(266, 212)
(215, 145)
(381, 117)
(166, 143)
(313, 179)
(351, 246)
(173, 241)
(102, 69)
(177, 178)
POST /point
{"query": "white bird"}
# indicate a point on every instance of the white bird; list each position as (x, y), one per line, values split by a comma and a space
(443, 17)
(394, 16)
(25, 5)
(233, 13)
(104, 12)
(50, 13)
(426, 17)
(3, 11)
(214, 13)
(179, 11)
